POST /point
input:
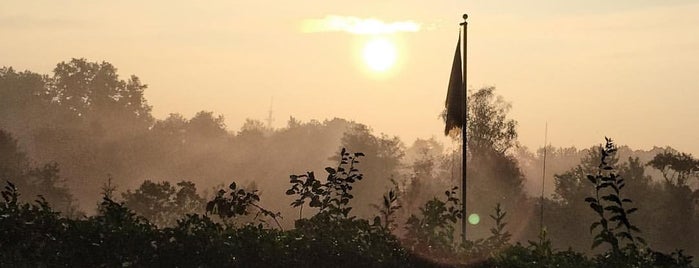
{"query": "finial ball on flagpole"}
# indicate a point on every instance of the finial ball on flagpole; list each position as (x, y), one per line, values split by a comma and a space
(465, 16)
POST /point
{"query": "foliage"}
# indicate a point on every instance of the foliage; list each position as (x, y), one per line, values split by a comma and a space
(33, 179)
(162, 203)
(677, 168)
(382, 161)
(94, 121)
(612, 202)
(35, 235)
(494, 244)
(239, 202)
(499, 237)
(86, 88)
(388, 208)
(432, 233)
(488, 125)
(332, 196)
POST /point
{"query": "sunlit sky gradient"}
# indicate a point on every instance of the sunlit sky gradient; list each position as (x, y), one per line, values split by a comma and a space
(628, 69)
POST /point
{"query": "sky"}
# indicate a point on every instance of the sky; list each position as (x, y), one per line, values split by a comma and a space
(626, 69)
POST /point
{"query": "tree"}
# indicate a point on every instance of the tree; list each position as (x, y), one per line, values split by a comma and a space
(25, 101)
(162, 203)
(382, 162)
(676, 212)
(92, 89)
(488, 125)
(16, 167)
(14, 163)
(677, 168)
(493, 175)
(205, 126)
(424, 180)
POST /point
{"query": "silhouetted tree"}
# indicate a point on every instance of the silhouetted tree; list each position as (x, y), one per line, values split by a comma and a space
(44, 180)
(677, 168)
(163, 204)
(675, 216)
(94, 90)
(488, 125)
(493, 173)
(383, 160)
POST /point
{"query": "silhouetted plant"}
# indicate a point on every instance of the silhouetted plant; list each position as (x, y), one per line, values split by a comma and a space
(306, 187)
(239, 203)
(433, 231)
(499, 237)
(388, 207)
(332, 196)
(542, 247)
(613, 203)
(162, 203)
(11, 195)
(491, 246)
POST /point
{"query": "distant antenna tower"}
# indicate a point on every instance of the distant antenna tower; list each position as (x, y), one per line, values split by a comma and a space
(270, 118)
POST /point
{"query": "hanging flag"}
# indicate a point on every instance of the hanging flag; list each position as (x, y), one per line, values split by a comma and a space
(456, 95)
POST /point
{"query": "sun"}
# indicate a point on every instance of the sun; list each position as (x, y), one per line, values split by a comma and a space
(379, 54)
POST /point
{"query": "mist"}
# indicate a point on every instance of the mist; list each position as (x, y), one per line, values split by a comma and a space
(85, 132)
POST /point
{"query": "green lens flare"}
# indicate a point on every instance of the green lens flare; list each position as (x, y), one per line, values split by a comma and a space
(474, 219)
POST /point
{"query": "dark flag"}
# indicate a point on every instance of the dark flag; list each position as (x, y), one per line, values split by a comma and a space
(456, 95)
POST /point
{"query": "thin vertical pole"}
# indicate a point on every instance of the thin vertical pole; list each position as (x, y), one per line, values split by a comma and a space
(464, 130)
(543, 179)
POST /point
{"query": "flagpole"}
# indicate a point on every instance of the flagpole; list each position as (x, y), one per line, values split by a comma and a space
(464, 130)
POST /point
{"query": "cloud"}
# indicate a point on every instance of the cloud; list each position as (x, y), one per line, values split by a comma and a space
(31, 22)
(355, 25)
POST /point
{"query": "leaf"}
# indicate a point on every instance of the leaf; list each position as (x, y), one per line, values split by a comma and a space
(593, 226)
(634, 228)
(641, 240)
(330, 170)
(210, 206)
(232, 186)
(614, 209)
(615, 218)
(315, 202)
(624, 235)
(612, 197)
(631, 210)
(592, 179)
(591, 200)
(596, 243)
(596, 208)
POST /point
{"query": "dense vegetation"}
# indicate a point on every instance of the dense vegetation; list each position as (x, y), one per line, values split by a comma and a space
(36, 235)
(83, 129)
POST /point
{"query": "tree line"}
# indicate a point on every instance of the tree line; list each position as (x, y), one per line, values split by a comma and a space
(83, 129)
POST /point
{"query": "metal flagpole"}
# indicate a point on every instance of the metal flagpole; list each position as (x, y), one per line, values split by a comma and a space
(464, 130)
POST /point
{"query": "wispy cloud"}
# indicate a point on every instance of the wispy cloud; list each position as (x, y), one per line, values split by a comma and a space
(31, 22)
(355, 25)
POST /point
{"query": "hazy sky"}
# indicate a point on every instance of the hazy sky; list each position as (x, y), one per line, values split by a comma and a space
(627, 69)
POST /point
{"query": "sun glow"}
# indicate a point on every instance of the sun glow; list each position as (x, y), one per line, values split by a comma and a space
(379, 54)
